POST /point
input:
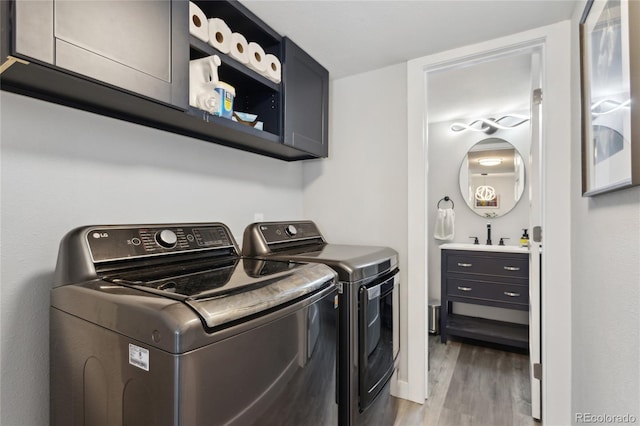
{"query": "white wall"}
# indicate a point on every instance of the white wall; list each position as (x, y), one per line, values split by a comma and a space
(63, 168)
(359, 194)
(605, 308)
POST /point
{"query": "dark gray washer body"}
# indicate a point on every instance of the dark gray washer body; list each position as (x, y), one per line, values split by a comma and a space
(270, 368)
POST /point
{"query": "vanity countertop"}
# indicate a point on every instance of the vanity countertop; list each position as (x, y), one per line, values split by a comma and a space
(484, 247)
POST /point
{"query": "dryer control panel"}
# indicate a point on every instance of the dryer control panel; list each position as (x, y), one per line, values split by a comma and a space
(274, 232)
(264, 238)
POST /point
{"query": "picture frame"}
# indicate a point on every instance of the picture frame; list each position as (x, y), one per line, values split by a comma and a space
(491, 204)
(610, 95)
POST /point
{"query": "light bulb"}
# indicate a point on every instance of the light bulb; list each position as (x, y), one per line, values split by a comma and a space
(489, 161)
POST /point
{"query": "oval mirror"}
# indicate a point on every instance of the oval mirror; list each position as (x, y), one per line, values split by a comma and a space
(492, 177)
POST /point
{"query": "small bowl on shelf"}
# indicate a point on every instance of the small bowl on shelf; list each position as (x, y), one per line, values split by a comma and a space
(247, 119)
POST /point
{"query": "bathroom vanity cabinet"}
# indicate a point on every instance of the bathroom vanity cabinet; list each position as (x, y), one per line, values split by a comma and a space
(489, 278)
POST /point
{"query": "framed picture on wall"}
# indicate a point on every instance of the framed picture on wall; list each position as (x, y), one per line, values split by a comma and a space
(491, 204)
(610, 89)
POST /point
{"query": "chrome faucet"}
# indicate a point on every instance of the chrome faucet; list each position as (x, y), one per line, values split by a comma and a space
(488, 233)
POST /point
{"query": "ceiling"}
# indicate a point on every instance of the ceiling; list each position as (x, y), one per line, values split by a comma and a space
(481, 90)
(354, 36)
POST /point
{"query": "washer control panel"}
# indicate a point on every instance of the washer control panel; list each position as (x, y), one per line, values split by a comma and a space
(276, 232)
(114, 243)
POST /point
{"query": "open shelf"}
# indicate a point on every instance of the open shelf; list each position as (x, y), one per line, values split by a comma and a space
(232, 125)
(254, 93)
(504, 333)
(200, 49)
(242, 20)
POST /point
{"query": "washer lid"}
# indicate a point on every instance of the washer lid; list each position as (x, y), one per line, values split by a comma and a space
(230, 289)
(264, 294)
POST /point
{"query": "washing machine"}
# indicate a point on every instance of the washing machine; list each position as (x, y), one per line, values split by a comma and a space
(169, 325)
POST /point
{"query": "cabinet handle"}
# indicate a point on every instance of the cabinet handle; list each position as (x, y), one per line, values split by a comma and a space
(464, 288)
(508, 293)
(465, 265)
(512, 268)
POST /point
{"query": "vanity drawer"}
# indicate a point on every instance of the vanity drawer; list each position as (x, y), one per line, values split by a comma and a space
(484, 291)
(516, 266)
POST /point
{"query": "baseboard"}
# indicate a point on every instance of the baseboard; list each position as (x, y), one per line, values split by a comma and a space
(402, 389)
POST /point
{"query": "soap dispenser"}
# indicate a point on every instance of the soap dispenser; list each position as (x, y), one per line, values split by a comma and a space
(524, 239)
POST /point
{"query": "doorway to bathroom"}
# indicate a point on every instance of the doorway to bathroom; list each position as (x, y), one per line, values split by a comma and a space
(434, 169)
(482, 122)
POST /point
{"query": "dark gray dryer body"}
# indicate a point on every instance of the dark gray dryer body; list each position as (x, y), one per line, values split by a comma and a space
(168, 325)
(368, 325)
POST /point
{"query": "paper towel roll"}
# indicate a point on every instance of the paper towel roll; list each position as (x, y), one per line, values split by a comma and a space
(239, 48)
(203, 79)
(274, 68)
(219, 35)
(198, 24)
(256, 58)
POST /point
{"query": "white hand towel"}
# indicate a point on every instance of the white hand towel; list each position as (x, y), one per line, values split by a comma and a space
(444, 225)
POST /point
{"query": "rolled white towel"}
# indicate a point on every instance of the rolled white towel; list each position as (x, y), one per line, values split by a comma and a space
(444, 229)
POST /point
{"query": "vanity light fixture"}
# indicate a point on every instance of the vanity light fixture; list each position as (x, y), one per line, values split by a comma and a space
(607, 106)
(489, 161)
(490, 125)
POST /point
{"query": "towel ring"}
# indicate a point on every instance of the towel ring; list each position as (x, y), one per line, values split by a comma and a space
(446, 198)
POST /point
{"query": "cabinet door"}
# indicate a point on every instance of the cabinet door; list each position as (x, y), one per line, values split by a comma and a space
(137, 45)
(306, 101)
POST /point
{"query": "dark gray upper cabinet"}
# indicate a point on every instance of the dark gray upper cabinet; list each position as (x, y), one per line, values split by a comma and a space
(129, 59)
(306, 101)
(133, 45)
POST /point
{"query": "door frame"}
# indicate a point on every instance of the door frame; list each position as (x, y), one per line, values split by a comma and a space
(556, 220)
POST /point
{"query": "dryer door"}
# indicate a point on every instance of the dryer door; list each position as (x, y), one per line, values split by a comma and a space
(375, 329)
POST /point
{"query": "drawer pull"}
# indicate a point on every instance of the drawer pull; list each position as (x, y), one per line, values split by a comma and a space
(508, 293)
(512, 268)
(465, 265)
(464, 288)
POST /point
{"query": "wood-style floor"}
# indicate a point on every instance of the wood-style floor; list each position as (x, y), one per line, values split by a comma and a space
(472, 385)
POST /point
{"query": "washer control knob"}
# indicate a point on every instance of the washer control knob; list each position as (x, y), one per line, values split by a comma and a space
(167, 238)
(291, 230)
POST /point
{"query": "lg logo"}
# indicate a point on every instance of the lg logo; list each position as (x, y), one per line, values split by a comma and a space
(97, 235)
